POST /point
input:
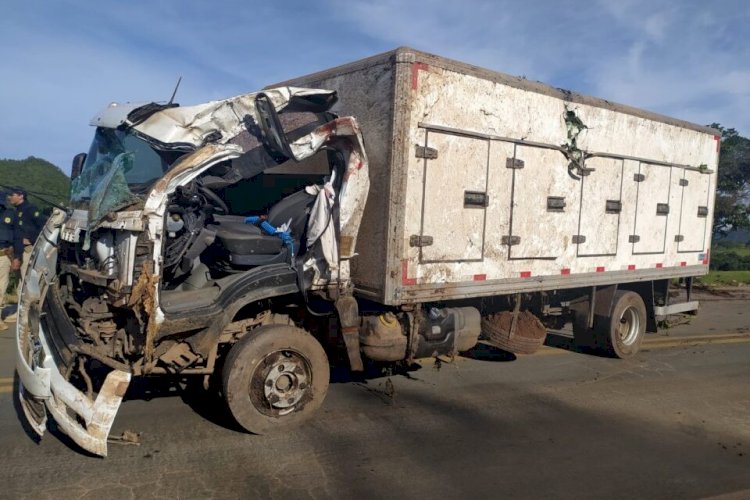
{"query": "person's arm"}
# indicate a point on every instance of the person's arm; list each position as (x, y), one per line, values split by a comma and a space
(17, 238)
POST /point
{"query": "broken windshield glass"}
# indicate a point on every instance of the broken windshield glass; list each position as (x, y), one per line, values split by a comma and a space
(119, 170)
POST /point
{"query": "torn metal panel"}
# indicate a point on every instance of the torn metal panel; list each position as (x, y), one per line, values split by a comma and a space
(41, 382)
(221, 121)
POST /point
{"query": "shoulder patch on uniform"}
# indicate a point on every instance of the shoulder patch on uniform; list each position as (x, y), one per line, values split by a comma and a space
(36, 214)
(7, 220)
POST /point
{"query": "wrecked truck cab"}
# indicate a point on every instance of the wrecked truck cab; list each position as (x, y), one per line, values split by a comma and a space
(164, 260)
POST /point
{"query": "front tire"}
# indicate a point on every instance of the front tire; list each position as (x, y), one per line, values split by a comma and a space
(274, 378)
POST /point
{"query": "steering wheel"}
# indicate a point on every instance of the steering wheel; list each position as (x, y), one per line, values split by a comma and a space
(217, 202)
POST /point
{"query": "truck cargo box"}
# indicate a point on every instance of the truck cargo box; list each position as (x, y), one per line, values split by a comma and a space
(486, 184)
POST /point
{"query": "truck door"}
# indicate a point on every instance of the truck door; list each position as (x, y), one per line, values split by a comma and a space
(652, 208)
(546, 199)
(694, 211)
(455, 197)
(601, 205)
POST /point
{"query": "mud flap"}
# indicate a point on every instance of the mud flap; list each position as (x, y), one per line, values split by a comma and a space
(349, 320)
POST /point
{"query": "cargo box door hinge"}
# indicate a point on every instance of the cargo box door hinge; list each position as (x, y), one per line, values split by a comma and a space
(510, 240)
(416, 240)
(427, 153)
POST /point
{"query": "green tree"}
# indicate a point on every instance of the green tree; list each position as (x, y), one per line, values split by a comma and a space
(732, 210)
(36, 175)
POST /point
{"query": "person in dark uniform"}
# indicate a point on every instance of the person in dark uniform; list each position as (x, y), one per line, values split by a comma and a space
(29, 223)
(8, 240)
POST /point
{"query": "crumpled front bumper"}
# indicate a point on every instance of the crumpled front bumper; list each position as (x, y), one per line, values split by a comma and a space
(43, 390)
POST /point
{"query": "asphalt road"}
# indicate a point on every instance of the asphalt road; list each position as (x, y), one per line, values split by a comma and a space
(674, 422)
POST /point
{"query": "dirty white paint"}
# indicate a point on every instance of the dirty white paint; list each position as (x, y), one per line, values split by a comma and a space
(416, 99)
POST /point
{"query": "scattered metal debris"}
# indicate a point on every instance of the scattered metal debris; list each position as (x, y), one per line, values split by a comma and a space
(126, 438)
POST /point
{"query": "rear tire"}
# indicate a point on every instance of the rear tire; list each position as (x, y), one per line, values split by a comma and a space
(275, 378)
(622, 333)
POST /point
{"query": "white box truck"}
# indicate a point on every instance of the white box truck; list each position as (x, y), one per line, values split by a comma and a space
(414, 206)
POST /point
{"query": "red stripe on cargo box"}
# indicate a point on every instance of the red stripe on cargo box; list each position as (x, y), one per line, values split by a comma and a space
(717, 138)
(600, 269)
(683, 264)
(565, 271)
(480, 277)
(659, 265)
(526, 274)
(631, 267)
(415, 67)
(405, 272)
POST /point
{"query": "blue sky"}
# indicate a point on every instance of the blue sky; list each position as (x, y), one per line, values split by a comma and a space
(62, 61)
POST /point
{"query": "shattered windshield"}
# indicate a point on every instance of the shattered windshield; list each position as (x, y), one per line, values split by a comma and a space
(120, 166)
(119, 170)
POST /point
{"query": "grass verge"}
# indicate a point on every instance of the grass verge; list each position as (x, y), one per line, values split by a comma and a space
(726, 278)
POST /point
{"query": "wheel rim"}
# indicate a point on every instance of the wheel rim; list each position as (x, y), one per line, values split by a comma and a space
(281, 383)
(629, 326)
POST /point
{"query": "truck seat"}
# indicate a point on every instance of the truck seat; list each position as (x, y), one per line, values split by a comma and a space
(248, 245)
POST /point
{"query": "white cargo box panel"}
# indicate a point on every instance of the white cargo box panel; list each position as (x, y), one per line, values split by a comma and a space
(473, 192)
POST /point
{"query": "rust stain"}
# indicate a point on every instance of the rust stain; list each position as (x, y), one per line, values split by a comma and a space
(142, 301)
(121, 389)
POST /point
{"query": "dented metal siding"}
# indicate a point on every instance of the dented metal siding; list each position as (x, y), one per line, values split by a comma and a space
(529, 241)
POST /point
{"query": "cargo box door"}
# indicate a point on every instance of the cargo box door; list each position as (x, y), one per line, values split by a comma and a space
(544, 211)
(652, 209)
(454, 198)
(600, 207)
(694, 212)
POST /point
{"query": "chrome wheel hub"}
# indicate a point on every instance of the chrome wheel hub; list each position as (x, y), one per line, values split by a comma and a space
(286, 381)
(630, 325)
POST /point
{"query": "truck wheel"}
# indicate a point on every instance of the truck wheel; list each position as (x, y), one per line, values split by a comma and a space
(275, 377)
(621, 334)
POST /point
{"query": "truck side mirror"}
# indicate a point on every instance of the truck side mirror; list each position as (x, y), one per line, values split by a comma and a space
(78, 161)
(272, 133)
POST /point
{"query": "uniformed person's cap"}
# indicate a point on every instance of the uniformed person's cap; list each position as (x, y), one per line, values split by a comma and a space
(18, 190)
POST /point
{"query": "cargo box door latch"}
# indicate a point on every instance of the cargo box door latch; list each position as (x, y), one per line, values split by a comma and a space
(510, 240)
(555, 204)
(514, 163)
(613, 207)
(476, 199)
(416, 240)
(662, 209)
(427, 153)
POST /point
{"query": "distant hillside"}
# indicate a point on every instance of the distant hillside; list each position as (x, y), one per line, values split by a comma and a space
(36, 175)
